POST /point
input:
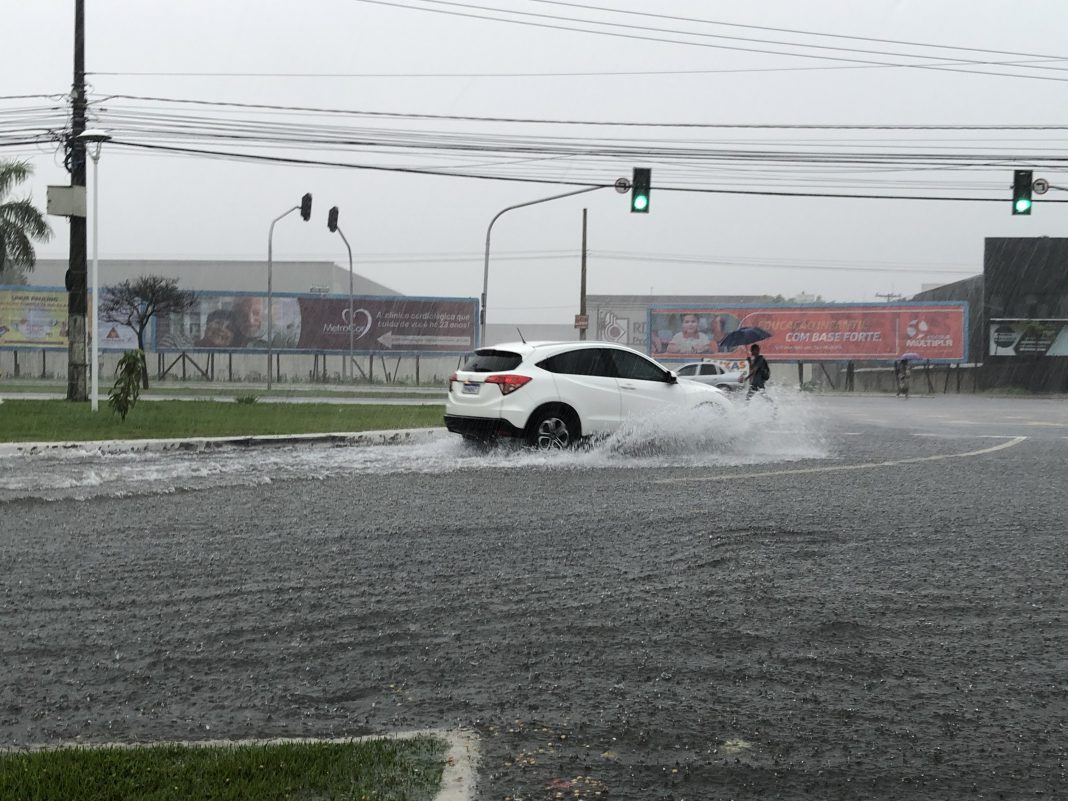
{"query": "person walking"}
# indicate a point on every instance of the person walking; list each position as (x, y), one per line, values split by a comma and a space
(904, 373)
(759, 371)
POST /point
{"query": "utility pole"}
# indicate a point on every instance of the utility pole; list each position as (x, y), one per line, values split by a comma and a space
(76, 278)
(582, 282)
(889, 296)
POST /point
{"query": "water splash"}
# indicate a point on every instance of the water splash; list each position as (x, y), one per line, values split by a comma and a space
(785, 427)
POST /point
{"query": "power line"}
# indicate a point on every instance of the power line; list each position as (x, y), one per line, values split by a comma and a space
(796, 31)
(1033, 64)
(550, 121)
(952, 66)
(557, 182)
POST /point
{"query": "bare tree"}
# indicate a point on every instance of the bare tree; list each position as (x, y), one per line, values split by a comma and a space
(135, 304)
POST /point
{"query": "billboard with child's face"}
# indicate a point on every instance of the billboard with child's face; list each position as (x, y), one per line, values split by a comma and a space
(860, 332)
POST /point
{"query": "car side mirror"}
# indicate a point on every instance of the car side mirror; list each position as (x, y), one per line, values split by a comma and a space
(672, 377)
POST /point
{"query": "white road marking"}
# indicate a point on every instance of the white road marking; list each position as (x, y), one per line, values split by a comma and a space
(839, 468)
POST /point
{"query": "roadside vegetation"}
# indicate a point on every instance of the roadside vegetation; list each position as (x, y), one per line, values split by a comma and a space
(224, 391)
(405, 769)
(60, 420)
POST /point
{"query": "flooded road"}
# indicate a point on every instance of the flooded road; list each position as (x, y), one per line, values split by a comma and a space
(608, 620)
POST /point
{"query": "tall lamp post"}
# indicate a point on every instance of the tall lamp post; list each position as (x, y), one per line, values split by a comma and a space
(95, 139)
(331, 223)
(489, 230)
(305, 213)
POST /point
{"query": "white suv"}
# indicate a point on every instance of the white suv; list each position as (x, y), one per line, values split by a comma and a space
(552, 394)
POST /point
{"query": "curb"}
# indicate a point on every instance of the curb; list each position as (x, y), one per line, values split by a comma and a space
(198, 444)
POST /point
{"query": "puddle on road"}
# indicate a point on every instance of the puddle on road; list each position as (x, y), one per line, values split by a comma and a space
(758, 432)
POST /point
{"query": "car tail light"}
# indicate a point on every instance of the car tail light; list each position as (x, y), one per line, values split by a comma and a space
(508, 383)
(451, 379)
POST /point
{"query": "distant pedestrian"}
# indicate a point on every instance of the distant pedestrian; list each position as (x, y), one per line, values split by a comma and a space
(902, 372)
(759, 371)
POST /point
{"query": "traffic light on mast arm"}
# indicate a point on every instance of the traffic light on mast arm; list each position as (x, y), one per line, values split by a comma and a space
(639, 189)
(1021, 192)
(331, 219)
(305, 207)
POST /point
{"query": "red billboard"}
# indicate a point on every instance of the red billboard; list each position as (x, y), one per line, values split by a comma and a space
(833, 332)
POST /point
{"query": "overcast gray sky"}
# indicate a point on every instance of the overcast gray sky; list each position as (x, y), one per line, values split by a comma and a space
(674, 71)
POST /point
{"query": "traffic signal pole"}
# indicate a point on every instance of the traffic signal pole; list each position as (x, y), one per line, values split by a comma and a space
(305, 213)
(489, 231)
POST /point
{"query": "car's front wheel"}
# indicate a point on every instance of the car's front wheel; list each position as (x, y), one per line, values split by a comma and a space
(553, 429)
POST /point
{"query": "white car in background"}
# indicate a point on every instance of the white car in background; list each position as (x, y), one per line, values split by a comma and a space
(712, 374)
(552, 394)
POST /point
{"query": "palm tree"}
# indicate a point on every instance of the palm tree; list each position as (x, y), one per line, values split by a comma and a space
(20, 225)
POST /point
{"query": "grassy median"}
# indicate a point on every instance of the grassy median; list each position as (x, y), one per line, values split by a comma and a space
(60, 420)
(407, 769)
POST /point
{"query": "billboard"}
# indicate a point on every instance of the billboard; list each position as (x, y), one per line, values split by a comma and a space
(36, 317)
(1028, 338)
(318, 323)
(831, 332)
(33, 318)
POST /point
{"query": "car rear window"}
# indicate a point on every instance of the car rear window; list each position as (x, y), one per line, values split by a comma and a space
(492, 361)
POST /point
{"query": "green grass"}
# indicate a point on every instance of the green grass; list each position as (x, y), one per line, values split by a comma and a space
(60, 420)
(233, 390)
(408, 769)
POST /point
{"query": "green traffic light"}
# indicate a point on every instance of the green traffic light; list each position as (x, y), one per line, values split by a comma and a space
(641, 202)
(1023, 205)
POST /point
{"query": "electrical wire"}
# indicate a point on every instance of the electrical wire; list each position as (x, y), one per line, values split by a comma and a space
(549, 121)
(951, 66)
(455, 174)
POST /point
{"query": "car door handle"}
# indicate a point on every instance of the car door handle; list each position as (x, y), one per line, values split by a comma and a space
(627, 386)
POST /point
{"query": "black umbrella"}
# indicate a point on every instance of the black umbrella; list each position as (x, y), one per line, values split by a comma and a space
(739, 337)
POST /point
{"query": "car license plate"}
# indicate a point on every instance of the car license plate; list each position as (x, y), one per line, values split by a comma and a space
(471, 387)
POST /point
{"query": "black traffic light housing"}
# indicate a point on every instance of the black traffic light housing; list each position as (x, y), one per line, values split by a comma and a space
(1021, 191)
(639, 190)
(305, 207)
(331, 219)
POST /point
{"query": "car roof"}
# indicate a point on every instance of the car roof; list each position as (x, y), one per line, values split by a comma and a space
(527, 348)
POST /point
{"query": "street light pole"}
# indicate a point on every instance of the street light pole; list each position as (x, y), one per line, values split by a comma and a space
(489, 230)
(96, 139)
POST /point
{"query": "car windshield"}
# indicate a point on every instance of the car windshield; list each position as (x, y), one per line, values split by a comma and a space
(492, 361)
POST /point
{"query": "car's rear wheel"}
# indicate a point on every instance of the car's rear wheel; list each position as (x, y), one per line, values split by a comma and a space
(553, 429)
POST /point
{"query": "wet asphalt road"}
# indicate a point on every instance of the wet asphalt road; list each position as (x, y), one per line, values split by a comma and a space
(886, 619)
